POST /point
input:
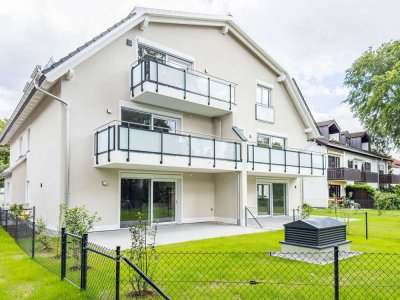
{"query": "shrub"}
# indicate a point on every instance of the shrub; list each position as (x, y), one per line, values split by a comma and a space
(17, 210)
(143, 254)
(385, 201)
(42, 237)
(304, 210)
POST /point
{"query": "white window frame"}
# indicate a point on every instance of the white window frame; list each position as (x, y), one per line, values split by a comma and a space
(7, 192)
(28, 139)
(21, 145)
(27, 194)
(263, 87)
(271, 137)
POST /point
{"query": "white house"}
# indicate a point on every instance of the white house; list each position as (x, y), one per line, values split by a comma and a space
(180, 116)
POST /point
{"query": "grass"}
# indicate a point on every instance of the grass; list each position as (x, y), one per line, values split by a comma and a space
(23, 278)
(227, 266)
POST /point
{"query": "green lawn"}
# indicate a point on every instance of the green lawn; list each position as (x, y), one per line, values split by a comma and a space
(225, 268)
(23, 278)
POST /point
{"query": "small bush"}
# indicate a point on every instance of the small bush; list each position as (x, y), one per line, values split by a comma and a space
(385, 201)
(17, 210)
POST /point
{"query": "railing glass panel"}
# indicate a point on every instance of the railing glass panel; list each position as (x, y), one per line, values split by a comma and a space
(102, 140)
(176, 144)
(292, 158)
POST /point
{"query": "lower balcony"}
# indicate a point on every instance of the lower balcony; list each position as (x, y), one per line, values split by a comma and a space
(285, 161)
(346, 174)
(371, 177)
(389, 179)
(128, 145)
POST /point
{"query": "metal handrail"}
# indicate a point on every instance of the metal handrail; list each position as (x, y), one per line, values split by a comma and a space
(191, 133)
(248, 210)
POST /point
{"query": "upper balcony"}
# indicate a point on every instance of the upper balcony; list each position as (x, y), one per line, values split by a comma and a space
(346, 174)
(127, 145)
(367, 176)
(285, 161)
(157, 83)
(389, 179)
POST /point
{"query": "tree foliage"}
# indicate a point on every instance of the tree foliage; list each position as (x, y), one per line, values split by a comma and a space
(4, 151)
(374, 96)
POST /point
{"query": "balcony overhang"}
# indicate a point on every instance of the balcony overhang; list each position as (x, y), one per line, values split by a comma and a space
(168, 97)
(151, 161)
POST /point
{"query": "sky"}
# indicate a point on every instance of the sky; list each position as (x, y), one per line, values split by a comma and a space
(316, 41)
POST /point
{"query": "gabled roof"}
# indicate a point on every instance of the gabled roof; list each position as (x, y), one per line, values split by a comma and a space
(142, 16)
(358, 134)
(341, 146)
(326, 123)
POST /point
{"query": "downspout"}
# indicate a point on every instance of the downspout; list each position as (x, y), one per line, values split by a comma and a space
(68, 141)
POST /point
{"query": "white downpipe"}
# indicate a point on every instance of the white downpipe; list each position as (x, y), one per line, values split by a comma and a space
(68, 141)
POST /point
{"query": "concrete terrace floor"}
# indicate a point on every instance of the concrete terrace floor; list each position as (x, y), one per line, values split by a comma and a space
(177, 233)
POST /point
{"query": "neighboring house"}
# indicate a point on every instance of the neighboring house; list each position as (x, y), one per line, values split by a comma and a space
(148, 133)
(395, 167)
(350, 160)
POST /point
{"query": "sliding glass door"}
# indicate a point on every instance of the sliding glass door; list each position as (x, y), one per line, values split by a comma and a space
(271, 199)
(155, 200)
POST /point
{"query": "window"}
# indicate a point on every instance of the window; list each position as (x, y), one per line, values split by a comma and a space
(334, 191)
(356, 164)
(333, 162)
(348, 142)
(350, 164)
(381, 169)
(264, 95)
(7, 192)
(164, 57)
(366, 167)
(144, 120)
(270, 141)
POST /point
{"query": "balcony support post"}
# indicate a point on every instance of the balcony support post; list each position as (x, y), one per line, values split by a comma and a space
(284, 157)
(141, 75)
(209, 90)
(311, 163)
(298, 158)
(109, 144)
(132, 82)
(236, 156)
(230, 96)
(129, 143)
(97, 147)
(214, 152)
(253, 156)
(157, 76)
(184, 84)
(190, 150)
(270, 157)
(162, 147)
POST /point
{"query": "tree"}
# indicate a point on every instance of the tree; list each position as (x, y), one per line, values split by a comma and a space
(4, 151)
(374, 97)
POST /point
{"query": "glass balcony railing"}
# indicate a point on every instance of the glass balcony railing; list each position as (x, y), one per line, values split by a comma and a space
(133, 138)
(285, 157)
(150, 69)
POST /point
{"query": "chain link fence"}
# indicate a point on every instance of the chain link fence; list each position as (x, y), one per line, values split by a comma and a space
(366, 223)
(111, 274)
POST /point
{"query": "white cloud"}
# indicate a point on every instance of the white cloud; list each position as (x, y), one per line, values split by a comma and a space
(343, 116)
(313, 90)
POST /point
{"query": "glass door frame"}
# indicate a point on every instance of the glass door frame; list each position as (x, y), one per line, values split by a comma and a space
(260, 180)
(270, 198)
(177, 178)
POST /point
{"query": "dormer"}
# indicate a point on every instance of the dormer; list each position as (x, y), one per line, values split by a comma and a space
(330, 130)
(345, 138)
(360, 140)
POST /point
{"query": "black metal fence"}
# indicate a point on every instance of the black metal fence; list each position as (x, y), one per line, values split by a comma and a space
(112, 274)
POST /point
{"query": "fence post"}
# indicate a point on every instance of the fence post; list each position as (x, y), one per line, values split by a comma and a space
(366, 225)
(336, 270)
(63, 253)
(84, 261)
(33, 231)
(117, 271)
(7, 220)
(16, 228)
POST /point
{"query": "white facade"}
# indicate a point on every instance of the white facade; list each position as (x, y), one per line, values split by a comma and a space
(156, 136)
